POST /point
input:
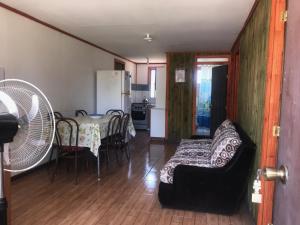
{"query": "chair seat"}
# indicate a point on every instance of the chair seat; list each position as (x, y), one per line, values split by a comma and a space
(72, 149)
(105, 141)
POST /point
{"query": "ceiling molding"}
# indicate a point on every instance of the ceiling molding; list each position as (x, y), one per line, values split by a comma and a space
(162, 63)
(204, 53)
(19, 12)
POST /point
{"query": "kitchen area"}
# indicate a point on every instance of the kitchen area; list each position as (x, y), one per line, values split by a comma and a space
(148, 97)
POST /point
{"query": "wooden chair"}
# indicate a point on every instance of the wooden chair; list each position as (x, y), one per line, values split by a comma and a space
(68, 150)
(81, 112)
(115, 112)
(57, 115)
(121, 140)
(109, 141)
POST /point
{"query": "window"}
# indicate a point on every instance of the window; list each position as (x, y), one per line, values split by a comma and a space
(152, 81)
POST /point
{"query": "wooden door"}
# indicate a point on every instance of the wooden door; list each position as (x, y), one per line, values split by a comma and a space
(287, 197)
(269, 147)
(218, 96)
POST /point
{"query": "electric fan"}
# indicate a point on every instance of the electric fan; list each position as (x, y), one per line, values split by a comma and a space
(27, 123)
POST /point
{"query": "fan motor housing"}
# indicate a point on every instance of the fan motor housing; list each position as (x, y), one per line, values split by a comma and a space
(8, 128)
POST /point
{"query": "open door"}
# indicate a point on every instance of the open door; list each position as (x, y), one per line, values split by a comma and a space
(287, 197)
(273, 107)
(218, 96)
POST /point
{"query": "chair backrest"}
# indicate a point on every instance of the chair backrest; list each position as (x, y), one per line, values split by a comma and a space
(113, 127)
(81, 112)
(124, 125)
(115, 112)
(58, 115)
(71, 128)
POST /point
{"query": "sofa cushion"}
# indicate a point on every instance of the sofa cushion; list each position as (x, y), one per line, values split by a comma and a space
(226, 123)
(224, 146)
(219, 131)
(192, 148)
(195, 141)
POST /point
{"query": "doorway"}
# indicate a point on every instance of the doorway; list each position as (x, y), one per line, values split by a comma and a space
(203, 99)
(119, 65)
(210, 94)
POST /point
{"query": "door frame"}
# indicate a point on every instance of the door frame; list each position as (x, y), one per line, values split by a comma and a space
(120, 62)
(269, 147)
(228, 56)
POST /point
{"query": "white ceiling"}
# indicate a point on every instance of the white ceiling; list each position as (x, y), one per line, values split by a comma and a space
(120, 25)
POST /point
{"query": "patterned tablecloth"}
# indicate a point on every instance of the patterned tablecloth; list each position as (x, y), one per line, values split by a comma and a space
(91, 131)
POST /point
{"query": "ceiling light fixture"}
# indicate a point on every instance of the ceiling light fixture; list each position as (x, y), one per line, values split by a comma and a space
(148, 38)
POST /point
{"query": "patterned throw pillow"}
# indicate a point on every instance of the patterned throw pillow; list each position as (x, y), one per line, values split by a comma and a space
(219, 131)
(225, 147)
(226, 123)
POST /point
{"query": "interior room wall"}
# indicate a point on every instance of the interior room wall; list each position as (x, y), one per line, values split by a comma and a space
(62, 67)
(252, 79)
(180, 96)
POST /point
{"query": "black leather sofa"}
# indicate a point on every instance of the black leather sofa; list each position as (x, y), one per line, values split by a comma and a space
(216, 190)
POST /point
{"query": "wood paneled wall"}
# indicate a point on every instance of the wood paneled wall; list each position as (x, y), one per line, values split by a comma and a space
(180, 96)
(252, 79)
(232, 84)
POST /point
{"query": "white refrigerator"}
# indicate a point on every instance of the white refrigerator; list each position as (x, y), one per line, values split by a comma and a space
(113, 91)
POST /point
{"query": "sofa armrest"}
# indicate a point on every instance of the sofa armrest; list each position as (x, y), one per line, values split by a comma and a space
(194, 179)
(212, 189)
(186, 173)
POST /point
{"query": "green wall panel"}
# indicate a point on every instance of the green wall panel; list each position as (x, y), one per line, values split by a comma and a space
(180, 96)
(251, 88)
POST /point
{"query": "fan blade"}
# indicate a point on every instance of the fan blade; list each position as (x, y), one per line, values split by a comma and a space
(9, 103)
(34, 108)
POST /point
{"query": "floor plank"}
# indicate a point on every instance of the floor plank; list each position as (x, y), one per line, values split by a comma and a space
(212, 219)
(126, 194)
(200, 219)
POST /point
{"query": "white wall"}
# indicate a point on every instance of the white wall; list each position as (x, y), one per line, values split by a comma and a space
(142, 72)
(161, 85)
(157, 126)
(142, 78)
(63, 67)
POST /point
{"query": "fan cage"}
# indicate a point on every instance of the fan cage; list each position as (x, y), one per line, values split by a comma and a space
(35, 136)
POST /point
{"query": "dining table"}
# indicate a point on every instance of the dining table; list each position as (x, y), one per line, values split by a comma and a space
(91, 130)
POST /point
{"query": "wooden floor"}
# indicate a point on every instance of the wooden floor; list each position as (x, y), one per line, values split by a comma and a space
(126, 194)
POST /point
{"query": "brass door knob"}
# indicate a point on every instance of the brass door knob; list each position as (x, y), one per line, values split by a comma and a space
(273, 174)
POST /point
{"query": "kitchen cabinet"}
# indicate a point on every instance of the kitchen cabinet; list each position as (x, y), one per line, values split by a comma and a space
(157, 126)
